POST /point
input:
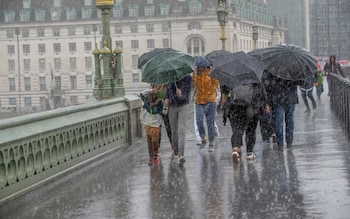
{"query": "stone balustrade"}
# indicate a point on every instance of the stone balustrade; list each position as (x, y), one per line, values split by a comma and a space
(38, 147)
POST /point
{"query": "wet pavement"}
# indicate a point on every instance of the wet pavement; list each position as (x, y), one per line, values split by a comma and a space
(309, 180)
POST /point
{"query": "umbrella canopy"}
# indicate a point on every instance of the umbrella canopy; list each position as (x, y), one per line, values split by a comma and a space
(145, 57)
(237, 69)
(287, 61)
(214, 55)
(167, 67)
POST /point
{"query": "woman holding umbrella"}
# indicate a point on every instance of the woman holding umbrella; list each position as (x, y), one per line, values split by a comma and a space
(177, 98)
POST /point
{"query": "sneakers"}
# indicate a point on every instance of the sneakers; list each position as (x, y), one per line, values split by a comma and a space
(182, 160)
(199, 142)
(156, 160)
(211, 148)
(175, 158)
(274, 138)
(202, 146)
(251, 156)
(236, 157)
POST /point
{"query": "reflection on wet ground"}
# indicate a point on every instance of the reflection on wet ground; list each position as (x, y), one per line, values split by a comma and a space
(309, 180)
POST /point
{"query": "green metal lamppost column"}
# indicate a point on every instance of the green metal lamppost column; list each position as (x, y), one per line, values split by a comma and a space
(222, 18)
(98, 82)
(255, 35)
(109, 84)
(118, 77)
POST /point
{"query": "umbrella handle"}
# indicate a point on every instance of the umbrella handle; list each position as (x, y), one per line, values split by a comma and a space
(176, 85)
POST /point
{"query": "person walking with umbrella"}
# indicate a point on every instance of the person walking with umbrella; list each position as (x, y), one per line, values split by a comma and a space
(332, 67)
(205, 100)
(244, 106)
(282, 96)
(177, 98)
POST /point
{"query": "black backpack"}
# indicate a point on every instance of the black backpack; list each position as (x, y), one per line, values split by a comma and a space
(242, 95)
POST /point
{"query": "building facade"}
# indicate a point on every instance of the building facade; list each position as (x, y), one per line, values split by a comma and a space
(330, 28)
(47, 45)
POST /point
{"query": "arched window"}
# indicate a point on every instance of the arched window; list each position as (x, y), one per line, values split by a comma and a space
(195, 46)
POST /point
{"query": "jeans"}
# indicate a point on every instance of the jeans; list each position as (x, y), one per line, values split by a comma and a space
(208, 110)
(198, 137)
(284, 112)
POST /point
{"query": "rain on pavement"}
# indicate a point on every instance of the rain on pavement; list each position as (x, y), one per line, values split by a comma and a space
(310, 180)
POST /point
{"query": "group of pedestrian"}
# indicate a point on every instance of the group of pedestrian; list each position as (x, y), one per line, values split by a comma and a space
(271, 102)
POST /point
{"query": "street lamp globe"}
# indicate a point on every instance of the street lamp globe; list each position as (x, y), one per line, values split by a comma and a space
(222, 14)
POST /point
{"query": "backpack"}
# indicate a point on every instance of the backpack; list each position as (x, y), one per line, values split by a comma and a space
(242, 95)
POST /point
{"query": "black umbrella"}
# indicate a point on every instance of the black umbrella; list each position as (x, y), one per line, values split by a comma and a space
(216, 54)
(287, 61)
(145, 57)
(237, 69)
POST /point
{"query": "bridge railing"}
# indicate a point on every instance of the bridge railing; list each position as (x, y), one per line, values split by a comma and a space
(340, 100)
(38, 147)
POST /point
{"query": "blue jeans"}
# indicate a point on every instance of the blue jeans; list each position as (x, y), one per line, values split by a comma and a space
(208, 110)
(284, 112)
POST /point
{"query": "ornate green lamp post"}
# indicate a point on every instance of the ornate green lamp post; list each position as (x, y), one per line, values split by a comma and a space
(109, 84)
(222, 18)
(255, 35)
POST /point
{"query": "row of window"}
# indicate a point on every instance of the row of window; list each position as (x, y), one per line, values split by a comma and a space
(88, 30)
(195, 46)
(57, 79)
(42, 64)
(86, 12)
(56, 48)
(28, 101)
(72, 47)
(58, 3)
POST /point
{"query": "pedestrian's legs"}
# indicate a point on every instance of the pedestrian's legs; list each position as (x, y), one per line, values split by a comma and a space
(173, 114)
(200, 118)
(238, 120)
(250, 133)
(149, 140)
(278, 123)
(266, 126)
(181, 119)
(196, 132)
(329, 85)
(210, 112)
(303, 95)
(311, 97)
(154, 135)
(289, 117)
(216, 128)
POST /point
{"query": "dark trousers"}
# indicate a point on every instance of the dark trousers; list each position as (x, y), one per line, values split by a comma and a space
(243, 119)
(167, 128)
(266, 126)
(308, 93)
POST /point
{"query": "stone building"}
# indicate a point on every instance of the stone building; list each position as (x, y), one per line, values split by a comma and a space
(46, 45)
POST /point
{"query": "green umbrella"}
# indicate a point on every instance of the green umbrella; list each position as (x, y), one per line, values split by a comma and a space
(167, 67)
